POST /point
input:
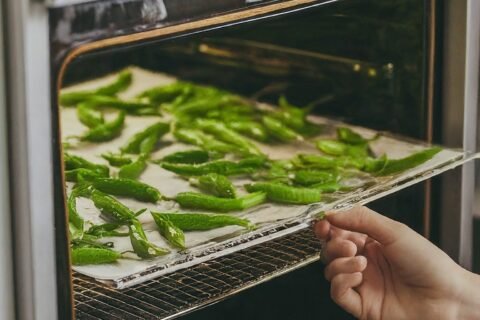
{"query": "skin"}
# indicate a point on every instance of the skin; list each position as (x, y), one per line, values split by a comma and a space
(382, 269)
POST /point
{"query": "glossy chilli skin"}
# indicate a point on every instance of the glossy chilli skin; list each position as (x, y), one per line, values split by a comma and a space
(88, 116)
(106, 131)
(75, 162)
(122, 82)
(223, 167)
(187, 157)
(141, 246)
(278, 192)
(111, 207)
(169, 230)
(134, 144)
(86, 255)
(133, 170)
(116, 160)
(215, 184)
(128, 188)
(202, 221)
(205, 202)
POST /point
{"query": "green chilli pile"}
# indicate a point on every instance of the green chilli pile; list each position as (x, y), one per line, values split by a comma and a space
(224, 131)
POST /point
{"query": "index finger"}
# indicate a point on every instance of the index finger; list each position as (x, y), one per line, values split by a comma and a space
(366, 221)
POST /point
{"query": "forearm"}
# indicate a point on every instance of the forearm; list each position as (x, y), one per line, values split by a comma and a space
(469, 306)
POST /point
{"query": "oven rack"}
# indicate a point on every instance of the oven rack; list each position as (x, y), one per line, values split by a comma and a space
(181, 292)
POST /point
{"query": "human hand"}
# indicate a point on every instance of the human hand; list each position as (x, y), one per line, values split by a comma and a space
(382, 269)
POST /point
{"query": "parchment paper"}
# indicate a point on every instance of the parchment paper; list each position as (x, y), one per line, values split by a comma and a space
(199, 243)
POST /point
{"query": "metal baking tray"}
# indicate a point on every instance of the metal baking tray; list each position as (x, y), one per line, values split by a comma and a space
(273, 220)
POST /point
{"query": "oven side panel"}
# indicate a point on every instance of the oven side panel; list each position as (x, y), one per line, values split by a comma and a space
(6, 265)
(31, 171)
(458, 129)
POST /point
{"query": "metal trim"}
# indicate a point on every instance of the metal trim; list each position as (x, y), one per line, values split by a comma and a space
(31, 171)
(210, 23)
(472, 56)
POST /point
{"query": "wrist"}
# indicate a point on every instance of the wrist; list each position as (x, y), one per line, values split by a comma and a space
(469, 303)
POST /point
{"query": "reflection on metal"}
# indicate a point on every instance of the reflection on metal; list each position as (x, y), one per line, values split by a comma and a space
(469, 131)
(211, 22)
(154, 11)
(286, 58)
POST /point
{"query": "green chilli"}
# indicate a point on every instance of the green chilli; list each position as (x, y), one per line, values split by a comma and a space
(76, 162)
(133, 170)
(216, 184)
(111, 207)
(106, 131)
(278, 192)
(203, 221)
(279, 131)
(223, 167)
(187, 157)
(116, 160)
(128, 188)
(222, 133)
(89, 116)
(140, 244)
(141, 142)
(121, 83)
(85, 256)
(206, 202)
(393, 166)
(169, 231)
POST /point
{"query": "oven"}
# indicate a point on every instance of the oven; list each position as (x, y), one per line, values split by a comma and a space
(409, 68)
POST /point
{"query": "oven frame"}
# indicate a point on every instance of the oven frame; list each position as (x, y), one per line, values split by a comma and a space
(31, 155)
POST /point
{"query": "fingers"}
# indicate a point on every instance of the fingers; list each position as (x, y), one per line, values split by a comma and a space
(342, 293)
(325, 231)
(345, 265)
(364, 220)
(338, 248)
(322, 229)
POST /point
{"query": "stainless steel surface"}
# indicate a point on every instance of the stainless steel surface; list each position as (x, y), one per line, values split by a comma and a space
(184, 291)
(469, 131)
(31, 172)
(7, 309)
(459, 96)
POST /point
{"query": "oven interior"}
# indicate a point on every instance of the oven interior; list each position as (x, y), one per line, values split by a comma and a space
(361, 63)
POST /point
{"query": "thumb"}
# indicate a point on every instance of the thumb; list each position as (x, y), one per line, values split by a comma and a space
(364, 220)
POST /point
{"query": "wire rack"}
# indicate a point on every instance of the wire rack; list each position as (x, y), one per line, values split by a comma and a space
(178, 293)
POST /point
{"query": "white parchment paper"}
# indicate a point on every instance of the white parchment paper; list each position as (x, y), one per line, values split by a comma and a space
(170, 184)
